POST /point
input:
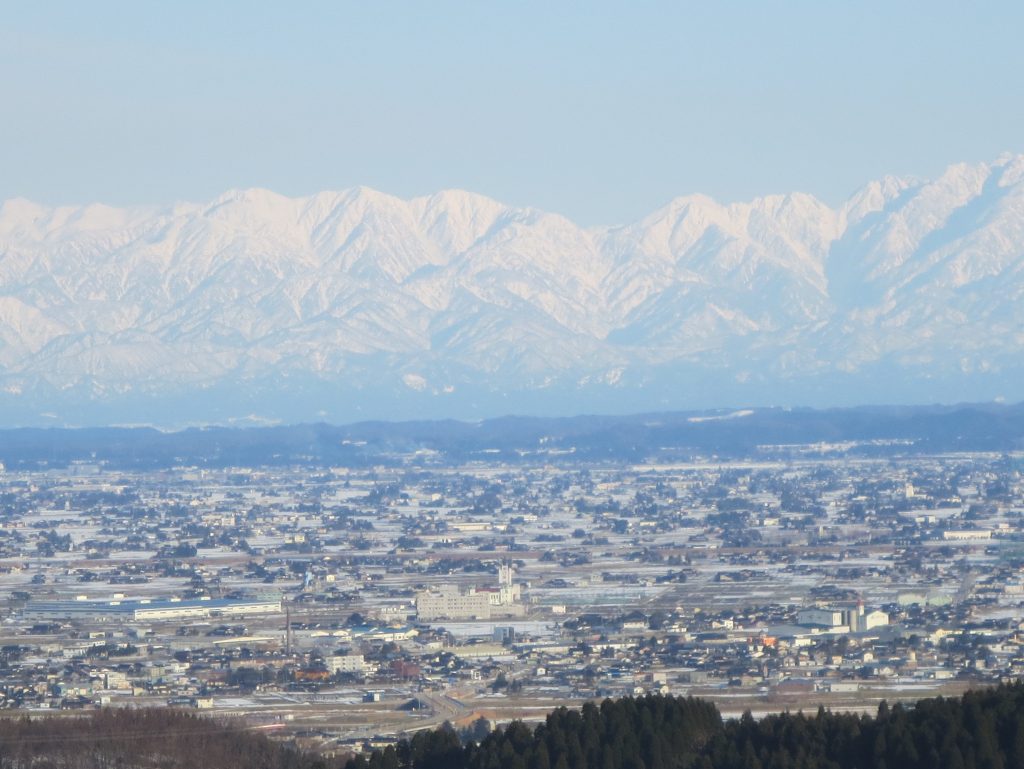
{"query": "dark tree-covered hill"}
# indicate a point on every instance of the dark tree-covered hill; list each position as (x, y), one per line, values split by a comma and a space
(981, 730)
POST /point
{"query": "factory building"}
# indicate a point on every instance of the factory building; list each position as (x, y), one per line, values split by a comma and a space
(830, 618)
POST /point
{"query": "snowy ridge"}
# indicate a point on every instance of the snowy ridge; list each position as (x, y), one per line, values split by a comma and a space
(455, 296)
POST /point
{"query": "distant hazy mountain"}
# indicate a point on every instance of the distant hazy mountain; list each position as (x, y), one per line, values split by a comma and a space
(760, 433)
(358, 304)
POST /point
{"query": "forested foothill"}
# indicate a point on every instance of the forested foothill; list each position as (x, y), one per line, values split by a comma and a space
(154, 738)
(984, 729)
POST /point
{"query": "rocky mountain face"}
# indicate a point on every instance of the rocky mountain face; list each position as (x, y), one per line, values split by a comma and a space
(358, 304)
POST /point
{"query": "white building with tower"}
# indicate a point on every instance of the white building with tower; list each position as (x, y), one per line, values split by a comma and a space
(449, 602)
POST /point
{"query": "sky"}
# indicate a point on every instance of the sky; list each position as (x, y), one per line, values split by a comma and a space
(599, 111)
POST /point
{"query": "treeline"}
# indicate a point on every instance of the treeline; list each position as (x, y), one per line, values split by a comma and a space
(157, 738)
(981, 730)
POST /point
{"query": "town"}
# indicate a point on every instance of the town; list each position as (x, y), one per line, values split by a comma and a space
(347, 606)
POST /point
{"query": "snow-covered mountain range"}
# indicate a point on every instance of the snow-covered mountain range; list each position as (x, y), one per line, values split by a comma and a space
(356, 304)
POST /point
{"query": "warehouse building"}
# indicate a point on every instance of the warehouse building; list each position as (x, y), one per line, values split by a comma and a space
(149, 610)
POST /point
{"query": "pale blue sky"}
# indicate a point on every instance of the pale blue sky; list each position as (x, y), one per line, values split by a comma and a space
(601, 111)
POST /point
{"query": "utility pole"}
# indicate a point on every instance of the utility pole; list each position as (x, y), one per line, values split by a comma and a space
(287, 630)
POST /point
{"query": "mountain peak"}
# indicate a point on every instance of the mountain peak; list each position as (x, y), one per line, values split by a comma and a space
(288, 306)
